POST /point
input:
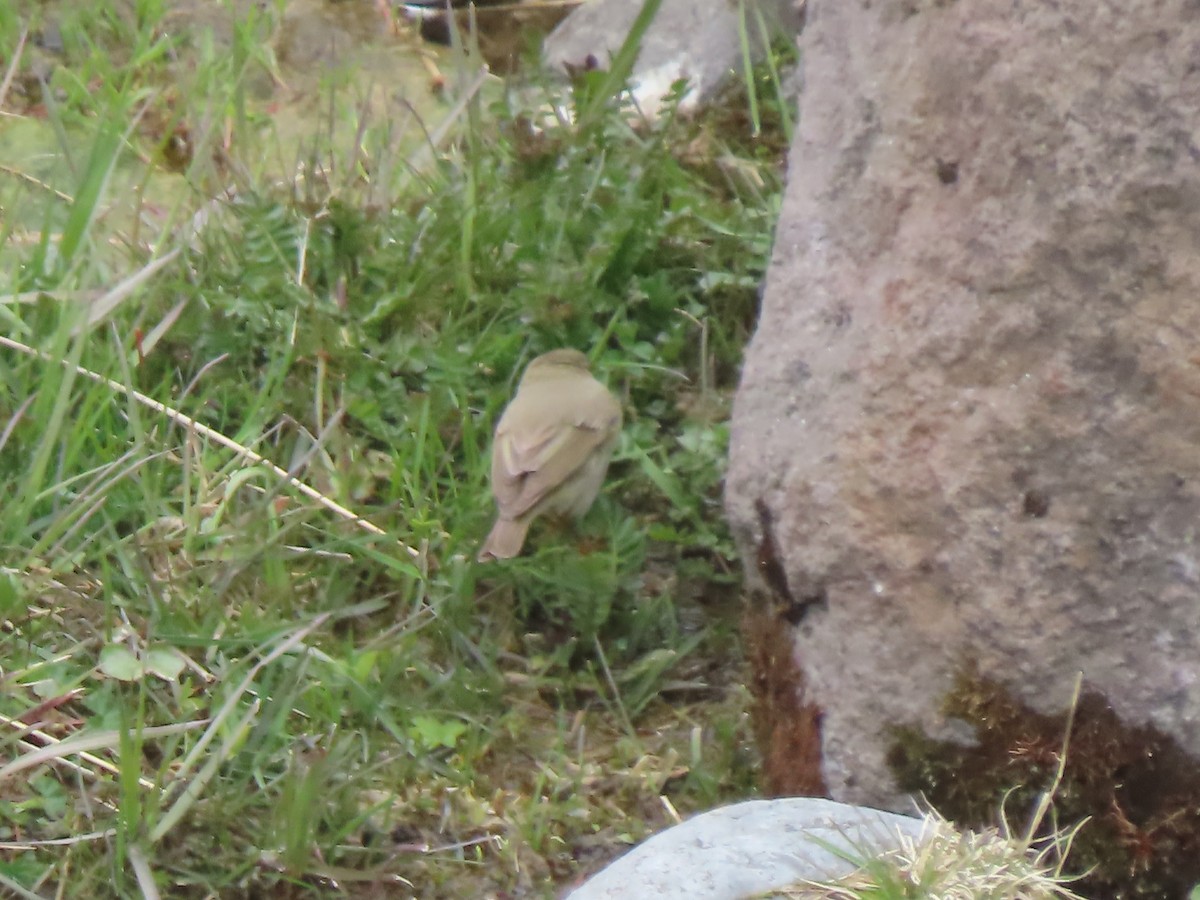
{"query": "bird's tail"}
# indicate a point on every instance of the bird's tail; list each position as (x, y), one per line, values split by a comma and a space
(505, 540)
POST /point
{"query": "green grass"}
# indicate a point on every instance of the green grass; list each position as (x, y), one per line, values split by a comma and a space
(217, 684)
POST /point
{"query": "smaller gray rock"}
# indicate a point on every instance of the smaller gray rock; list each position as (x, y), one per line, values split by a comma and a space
(749, 848)
(693, 39)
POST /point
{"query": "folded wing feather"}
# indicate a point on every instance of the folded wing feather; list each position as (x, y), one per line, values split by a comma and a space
(527, 467)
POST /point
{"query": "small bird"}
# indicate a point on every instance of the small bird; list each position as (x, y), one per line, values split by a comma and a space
(552, 448)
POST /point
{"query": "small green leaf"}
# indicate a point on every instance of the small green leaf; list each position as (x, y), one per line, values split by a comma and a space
(165, 662)
(663, 479)
(432, 733)
(118, 661)
(12, 596)
(363, 664)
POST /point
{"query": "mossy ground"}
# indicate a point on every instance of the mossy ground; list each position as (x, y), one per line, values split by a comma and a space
(1138, 791)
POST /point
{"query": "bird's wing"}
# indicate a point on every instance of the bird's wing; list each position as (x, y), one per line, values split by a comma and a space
(527, 466)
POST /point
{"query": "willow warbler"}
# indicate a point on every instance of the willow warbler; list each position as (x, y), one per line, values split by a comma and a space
(552, 448)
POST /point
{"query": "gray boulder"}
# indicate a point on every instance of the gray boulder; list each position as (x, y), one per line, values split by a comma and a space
(746, 849)
(968, 428)
(693, 39)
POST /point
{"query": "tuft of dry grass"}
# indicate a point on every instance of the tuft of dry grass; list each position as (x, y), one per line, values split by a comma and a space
(945, 863)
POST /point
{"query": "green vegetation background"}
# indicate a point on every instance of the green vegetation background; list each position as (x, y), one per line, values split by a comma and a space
(255, 695)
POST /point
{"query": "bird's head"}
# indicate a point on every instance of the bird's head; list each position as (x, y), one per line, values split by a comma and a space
(556, 359)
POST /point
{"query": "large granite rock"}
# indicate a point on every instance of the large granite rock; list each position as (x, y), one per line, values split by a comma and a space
(750, 849)
(968, 430)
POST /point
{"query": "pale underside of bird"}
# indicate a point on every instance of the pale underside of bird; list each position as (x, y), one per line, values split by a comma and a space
(551, 449)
